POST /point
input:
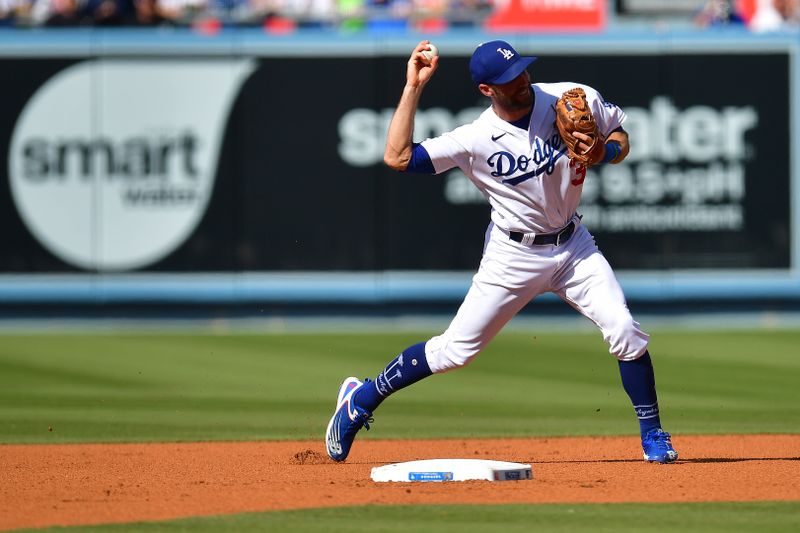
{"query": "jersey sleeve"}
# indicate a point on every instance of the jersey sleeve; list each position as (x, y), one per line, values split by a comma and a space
(420, 161)
(609, 116)
(449, 150)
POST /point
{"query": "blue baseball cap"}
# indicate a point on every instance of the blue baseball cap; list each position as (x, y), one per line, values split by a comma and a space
(496, 62)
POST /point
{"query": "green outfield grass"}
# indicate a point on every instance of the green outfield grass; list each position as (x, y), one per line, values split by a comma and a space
(567, 518)
(188, 387)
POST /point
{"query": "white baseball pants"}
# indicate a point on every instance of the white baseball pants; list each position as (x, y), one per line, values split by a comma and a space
(512, 274)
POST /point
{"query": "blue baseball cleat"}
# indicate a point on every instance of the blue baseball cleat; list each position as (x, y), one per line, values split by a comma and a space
(658, 447)
(347, 419)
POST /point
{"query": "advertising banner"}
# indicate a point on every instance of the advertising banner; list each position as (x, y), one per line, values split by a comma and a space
(548, 15)
(226, 164)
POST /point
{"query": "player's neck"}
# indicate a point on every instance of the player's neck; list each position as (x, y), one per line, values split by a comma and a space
(524, 121)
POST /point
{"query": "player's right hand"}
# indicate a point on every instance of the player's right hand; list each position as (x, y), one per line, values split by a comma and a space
(419, 71)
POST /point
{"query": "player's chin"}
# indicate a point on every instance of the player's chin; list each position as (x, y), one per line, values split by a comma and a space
(524, 99)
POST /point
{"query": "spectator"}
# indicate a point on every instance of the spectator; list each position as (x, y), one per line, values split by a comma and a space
(181, 12)
(718, 13)
(387, 15)
(469, 13)
(431, 16)
(312, 13)
(277, 19)
(229, 11)
(789, 10)
(65, 13)
(775, 15)
(261, 11)
(146, 13)
(13, 11)
(109, 12)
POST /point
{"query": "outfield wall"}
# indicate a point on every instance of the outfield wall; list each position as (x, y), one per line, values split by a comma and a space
(173, 167)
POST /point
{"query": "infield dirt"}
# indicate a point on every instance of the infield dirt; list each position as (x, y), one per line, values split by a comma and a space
(46, 485)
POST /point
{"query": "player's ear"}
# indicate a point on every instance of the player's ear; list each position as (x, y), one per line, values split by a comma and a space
(486, 90)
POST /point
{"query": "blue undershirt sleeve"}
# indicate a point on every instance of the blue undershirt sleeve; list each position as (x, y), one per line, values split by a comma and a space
(420, 161)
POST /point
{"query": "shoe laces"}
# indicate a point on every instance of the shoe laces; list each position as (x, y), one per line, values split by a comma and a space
(660, 437)
(367, 416)
(364, 419)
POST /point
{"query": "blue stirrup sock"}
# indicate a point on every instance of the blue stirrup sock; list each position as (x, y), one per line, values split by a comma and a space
(404, 370)
(638, 380)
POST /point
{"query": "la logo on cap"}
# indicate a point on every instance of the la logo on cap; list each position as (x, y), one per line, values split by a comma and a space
(507, 54)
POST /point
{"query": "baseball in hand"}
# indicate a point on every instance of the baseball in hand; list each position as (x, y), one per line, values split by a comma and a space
(430, 54)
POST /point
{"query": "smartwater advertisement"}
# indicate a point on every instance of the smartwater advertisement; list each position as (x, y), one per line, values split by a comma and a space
(227, 164)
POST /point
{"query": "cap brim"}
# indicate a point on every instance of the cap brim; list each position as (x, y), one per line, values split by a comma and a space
(513, 71)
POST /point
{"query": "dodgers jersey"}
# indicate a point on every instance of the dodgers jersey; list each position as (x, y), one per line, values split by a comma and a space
(525, 175)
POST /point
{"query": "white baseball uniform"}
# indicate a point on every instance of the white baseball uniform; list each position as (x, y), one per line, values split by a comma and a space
(533, 189)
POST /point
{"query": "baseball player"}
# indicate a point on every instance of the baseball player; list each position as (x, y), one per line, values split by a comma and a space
(514, 153)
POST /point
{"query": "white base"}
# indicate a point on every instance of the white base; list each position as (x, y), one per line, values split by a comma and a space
(452, 470)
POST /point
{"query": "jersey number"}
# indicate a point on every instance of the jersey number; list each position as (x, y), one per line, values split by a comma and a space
(580, 173)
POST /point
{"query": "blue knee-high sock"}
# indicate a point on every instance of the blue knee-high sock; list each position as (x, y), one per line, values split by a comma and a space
(404, 370)
(639, 382)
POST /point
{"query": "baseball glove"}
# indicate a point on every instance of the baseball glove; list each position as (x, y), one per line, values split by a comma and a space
(573, 114)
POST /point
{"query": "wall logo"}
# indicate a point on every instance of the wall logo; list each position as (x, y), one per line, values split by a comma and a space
(112, 162)
(362, 131)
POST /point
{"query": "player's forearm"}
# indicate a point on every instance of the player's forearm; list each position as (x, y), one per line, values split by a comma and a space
(399, 139)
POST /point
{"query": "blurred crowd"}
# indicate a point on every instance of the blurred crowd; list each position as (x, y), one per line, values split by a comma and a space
(756, 15)
(287, 15)
(272, 14)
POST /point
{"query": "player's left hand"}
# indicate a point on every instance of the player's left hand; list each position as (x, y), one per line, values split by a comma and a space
(578, 129)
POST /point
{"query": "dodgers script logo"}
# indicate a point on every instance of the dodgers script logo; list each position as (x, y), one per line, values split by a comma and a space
(544, 157)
